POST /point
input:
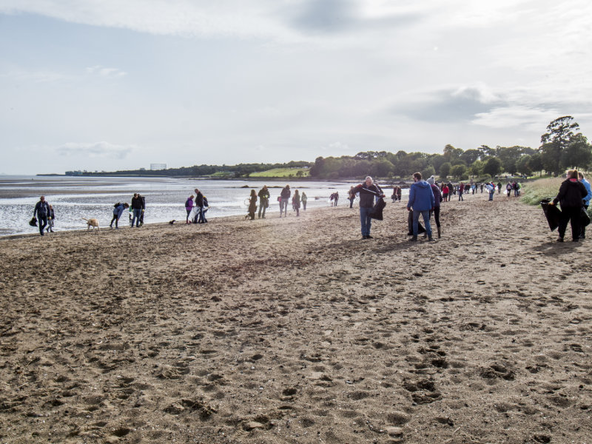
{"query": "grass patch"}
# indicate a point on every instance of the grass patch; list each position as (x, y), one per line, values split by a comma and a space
(282, 172)
(538, 190)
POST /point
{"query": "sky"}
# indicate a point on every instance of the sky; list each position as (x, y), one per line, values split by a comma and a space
(105, 85)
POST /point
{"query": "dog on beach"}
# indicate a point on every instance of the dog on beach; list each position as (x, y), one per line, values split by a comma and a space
(94, 223)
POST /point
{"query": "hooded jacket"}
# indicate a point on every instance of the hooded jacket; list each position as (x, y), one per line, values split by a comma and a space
(421, 197)
(571, 193)
(589, 195)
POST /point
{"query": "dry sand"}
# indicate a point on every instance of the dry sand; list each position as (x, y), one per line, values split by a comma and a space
(297, 331)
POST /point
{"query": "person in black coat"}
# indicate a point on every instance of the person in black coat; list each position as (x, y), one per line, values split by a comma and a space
(570, 197)
(137, 207)
(369, 191)
(42, 213)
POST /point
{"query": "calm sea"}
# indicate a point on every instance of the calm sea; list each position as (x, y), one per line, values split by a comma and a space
(76, 197)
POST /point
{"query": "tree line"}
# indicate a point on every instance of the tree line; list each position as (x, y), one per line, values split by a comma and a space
(222, 171)
(561, 148)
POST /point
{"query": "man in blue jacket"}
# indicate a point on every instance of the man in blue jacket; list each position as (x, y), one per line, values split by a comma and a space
(586, 201)
(421, 201)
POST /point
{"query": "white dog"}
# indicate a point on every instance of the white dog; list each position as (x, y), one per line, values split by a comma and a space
(94, 223)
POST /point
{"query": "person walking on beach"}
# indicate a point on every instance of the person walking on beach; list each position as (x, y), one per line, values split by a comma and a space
(445, 191)
(263, 201)
(137, 208)
(204, 210)
(491, 189)
(586, 201)
(252, 205)
(189, 208)
(296, 202)
(571, 198)
(368, 192)
(304, 199)
(284, 199)
(421, 201)
(437, 200)
(499, 188)
(50, 220)
(199, 205)
(117, 212)
(41, 211)
(461, 190)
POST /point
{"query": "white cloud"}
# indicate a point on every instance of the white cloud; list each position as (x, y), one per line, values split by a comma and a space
(274, 80)
(110, 73)
(164, 17)
(35, 77)
(98, 149)
(533, 119)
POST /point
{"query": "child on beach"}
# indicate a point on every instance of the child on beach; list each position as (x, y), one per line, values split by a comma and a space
(50, 219)
(189, 208)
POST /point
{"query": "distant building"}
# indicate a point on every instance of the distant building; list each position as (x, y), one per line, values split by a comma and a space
(157, 166)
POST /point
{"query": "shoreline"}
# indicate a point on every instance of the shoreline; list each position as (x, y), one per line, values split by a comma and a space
(297, 330)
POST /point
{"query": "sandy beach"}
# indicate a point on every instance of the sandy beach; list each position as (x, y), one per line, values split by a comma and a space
(296, 330)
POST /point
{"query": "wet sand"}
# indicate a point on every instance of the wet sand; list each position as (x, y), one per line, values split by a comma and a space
(296, 330)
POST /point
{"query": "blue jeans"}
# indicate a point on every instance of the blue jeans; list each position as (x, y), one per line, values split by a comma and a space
(491, 195)
(284, 206)
(136, 218)
(365, 220)
(426, 221)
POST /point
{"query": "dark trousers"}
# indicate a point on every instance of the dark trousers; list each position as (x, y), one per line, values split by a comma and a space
(116, 220)
(436, 213)
(570, 214)
(42, 223)
(420, 228)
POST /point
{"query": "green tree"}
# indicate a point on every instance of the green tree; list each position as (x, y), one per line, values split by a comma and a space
(476, 169)
(381, 167)
(486, 152)
(509, 157)
(523, 165)
(493, 167)
(470, 156)
(559, 135)
(451, 153)
(445, 170)
(458, 171)
(578, 153)
(428, 171)
(536, 163)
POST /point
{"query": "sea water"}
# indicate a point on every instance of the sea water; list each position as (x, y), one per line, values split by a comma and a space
(75, 197)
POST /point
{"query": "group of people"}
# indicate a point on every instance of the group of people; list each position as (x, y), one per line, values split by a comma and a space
(334, 199)
(43, 216)
(425, 197)
(136, 211)
(424, 200)
(199, 202)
